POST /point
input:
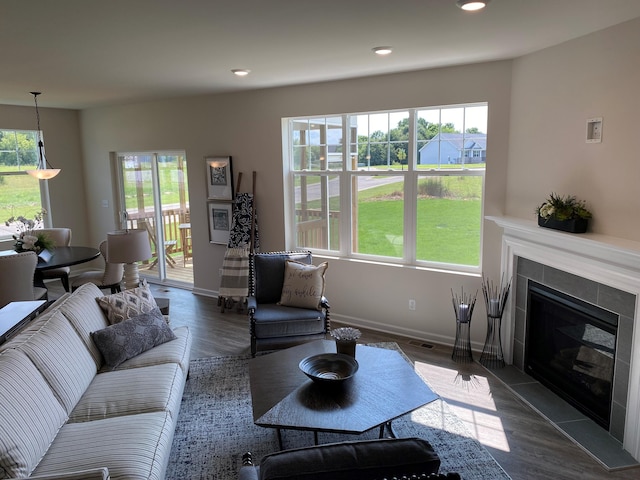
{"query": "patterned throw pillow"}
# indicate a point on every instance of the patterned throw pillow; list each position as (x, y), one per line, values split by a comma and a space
(303, 285)
(131, 337)
(127, 304)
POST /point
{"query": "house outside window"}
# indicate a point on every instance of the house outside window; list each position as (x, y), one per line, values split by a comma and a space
(400, 186)
(20, 193)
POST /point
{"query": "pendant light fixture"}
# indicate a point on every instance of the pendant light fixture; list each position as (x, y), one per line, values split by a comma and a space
(43, 170)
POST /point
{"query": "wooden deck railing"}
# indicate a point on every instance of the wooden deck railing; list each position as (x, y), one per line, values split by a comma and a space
(313, 228)
(171, 221)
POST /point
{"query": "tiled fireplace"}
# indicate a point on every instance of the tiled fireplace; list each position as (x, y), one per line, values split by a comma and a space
(596, 269)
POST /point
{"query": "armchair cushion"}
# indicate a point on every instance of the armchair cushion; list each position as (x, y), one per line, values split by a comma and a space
(268, 274)
(303, 285)
(280, 321)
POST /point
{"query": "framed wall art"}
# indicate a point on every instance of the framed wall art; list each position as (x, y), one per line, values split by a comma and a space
(219, 178)
(219, 222)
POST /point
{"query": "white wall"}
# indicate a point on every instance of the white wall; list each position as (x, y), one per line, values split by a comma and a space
(247, 126)
(554, 92)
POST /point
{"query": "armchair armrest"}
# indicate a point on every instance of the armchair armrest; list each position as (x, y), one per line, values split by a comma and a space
(252, 304)
(248, 471)
(324, 303)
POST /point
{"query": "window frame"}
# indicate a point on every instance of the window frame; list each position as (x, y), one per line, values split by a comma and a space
(410, 172)
(45, 202)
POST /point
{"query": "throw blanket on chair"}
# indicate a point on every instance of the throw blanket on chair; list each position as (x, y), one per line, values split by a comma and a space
(235, 267)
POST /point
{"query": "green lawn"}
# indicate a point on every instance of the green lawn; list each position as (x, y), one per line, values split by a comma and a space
(19, 195)
(448, 226)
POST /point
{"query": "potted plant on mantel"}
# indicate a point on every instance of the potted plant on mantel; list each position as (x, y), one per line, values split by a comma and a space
(564, 213)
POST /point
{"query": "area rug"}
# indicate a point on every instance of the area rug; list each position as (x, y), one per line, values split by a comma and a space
(215, 428)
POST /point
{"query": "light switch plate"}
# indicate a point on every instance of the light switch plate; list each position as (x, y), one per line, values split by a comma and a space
(594, 130)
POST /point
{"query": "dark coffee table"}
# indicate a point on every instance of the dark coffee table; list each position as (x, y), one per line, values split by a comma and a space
(384, 388)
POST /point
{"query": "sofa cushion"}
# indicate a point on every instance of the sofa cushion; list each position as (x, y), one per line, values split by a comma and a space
(133, 336)
(127, 392)
(63, 359)
(91, 474)
(127, 304)
(303, 284)
(130, 446)
(86, 316)
(353, 460)
(30, 415)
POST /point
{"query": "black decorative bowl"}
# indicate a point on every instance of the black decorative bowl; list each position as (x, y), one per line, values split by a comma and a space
(329, 367)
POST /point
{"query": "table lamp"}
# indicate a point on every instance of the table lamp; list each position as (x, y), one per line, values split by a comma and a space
(128, 247)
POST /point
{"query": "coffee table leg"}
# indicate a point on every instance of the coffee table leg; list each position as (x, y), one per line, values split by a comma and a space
(392, 434)
(279, 437)
(315, 437)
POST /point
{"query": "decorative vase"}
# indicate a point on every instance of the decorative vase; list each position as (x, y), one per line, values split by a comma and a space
(573, 225)
(347, 347)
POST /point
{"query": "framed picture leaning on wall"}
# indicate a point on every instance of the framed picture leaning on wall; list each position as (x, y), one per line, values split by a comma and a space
(219, 178)
(219, 222)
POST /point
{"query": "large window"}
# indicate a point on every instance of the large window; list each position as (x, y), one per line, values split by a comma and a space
(396, 186)
(20, 193)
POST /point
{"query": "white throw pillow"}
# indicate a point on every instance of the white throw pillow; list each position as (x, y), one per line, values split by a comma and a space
(303, 285)
(127, 304)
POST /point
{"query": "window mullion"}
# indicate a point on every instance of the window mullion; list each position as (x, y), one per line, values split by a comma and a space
(410, 194)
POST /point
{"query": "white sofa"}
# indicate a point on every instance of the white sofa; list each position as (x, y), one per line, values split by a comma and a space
(63, 415)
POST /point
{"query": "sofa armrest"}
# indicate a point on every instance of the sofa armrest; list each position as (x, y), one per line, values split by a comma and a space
(91, 474)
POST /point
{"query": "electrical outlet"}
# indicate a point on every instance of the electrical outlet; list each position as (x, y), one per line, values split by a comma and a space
(412, 304)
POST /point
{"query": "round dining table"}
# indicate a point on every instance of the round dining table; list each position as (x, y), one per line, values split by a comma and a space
(63, 257)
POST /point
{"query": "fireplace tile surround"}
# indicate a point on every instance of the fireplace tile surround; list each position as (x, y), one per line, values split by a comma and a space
(601, 270)
(612, 299)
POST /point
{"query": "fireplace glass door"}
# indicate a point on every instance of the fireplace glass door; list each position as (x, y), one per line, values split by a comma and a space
(570, 348)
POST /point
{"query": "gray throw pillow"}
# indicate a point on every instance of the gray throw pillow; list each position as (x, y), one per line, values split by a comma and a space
(131, 337)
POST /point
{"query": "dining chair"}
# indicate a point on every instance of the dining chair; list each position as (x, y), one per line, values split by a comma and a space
(109, 277)
(16, 279)
(61, 237)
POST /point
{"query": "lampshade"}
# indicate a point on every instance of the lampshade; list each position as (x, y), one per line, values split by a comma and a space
(128, 247)
(42, 172)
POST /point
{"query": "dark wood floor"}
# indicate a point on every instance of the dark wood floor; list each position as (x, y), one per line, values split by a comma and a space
(524, 443)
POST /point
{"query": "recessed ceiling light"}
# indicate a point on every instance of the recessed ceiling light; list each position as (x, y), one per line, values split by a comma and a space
(472, 5)
(382, 50)
(240, 72)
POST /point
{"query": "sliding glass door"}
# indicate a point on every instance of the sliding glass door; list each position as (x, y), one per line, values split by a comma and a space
(155, 197)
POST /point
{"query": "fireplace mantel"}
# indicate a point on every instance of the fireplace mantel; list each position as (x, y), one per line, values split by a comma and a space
(603, 259)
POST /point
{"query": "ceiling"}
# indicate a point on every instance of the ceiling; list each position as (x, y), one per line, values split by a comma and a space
(87, 53)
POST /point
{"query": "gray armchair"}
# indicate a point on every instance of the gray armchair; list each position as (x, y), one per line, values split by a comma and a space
(274, 326)
(388, 458)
